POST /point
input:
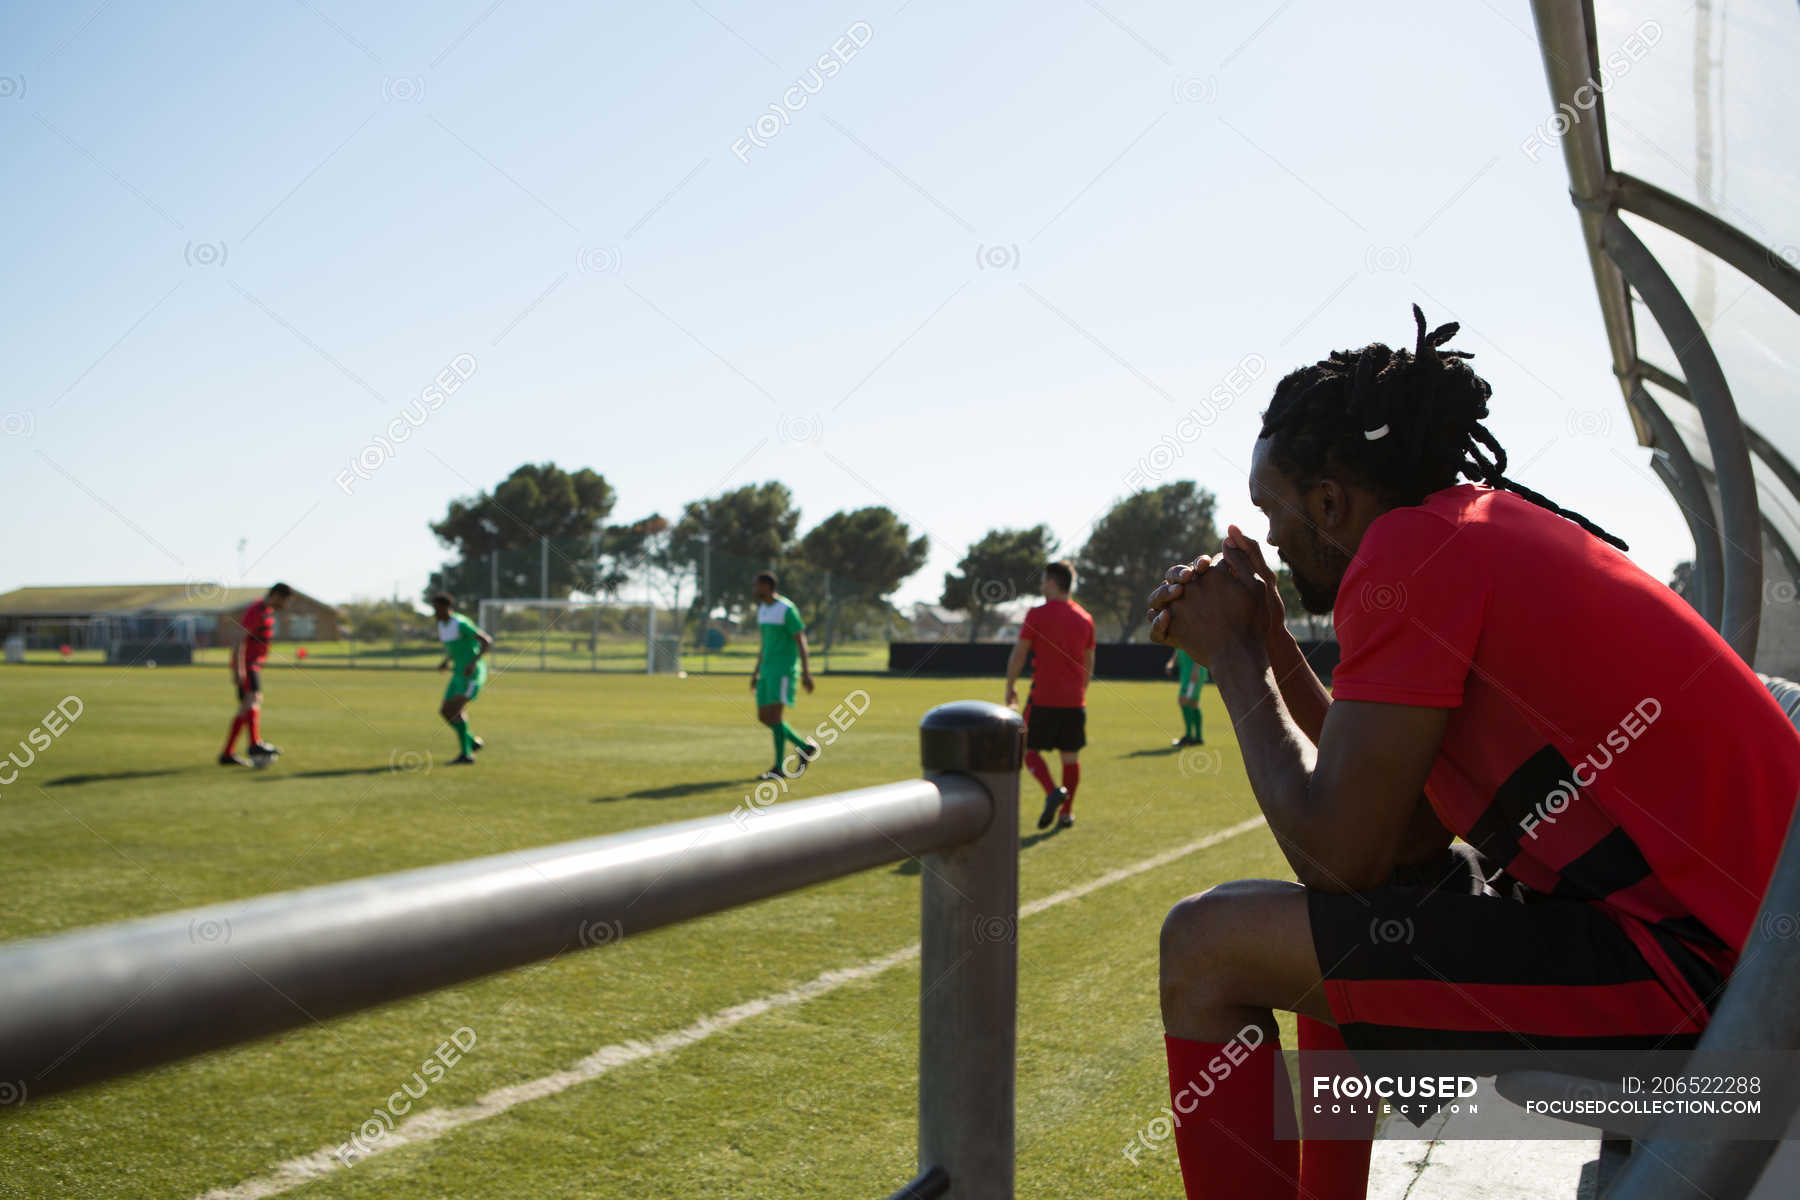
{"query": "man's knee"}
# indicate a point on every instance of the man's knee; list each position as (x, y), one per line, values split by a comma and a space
(1208, 937)
(1198, 924)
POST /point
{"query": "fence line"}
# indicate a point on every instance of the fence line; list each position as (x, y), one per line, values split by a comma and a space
(97, 1003)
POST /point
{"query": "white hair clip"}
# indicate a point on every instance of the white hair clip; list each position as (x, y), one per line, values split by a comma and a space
(1375, 435)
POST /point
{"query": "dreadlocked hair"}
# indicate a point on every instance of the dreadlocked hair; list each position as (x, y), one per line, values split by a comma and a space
(1403, 424)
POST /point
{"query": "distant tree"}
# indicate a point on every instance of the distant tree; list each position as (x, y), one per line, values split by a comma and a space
(1291, 602)
(1135, 542)
(1294, 607)
(863, 556)
(1002, 566)
(370, 620)
(537, 501)
(638, 555)
(1686, 585)
(751, 528)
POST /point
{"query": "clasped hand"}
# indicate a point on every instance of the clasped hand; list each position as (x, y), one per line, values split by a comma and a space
(1201, 608)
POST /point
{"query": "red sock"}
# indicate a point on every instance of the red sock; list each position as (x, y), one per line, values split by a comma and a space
(1040, 770)
(1331, 1169)
(237, 723)
(1071, 780)
(256, 727)
(1226, 1113)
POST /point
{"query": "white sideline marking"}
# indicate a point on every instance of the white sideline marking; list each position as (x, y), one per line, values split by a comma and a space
(434, 1123)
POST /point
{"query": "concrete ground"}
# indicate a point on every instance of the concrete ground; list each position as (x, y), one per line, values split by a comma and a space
(1545, 1170)
(1470, 1170)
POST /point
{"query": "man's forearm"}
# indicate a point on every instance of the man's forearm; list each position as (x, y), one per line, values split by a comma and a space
(1301, 689)
(1277, 754)
(1014, 664)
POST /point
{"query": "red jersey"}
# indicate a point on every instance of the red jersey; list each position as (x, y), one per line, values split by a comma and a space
(259, 629)
(1061, 633)
(1605, 743)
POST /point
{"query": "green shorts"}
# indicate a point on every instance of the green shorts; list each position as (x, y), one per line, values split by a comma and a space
(777, 689)
(1192, 676)
(464, 686)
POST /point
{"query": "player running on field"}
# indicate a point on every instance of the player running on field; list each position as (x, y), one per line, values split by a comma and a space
(1192, 675)
(1059, 636)
(1620, 778)
(247, 658)
(781, 663)
(465, 657)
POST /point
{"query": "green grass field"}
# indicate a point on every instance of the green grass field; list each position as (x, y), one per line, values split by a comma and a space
(522, 651)
(126, 815)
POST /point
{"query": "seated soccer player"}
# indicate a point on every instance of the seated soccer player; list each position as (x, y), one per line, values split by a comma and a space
(1507, 676)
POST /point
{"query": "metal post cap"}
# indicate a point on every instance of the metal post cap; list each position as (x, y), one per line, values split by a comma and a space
(971, 735)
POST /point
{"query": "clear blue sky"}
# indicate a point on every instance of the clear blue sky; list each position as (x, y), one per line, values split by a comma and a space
(976, 277)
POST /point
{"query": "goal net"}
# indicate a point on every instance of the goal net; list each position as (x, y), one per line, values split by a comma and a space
(582, 635)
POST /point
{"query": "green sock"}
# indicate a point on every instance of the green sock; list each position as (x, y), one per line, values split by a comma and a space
(787, 731)
(1194, 720)
(464, 738)
(776, 730)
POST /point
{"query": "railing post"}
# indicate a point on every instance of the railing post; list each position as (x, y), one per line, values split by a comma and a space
(969, 961)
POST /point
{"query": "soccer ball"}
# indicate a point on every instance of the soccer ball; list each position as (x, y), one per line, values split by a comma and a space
(260, 760)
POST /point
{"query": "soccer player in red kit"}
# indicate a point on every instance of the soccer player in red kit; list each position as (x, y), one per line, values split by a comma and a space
(247, 658)
(1059, 636)
(1621, 780)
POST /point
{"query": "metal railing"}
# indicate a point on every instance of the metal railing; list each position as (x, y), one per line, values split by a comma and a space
(98, 1003)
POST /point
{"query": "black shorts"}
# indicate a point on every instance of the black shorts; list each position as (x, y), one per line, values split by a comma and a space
(1419, 966)
(249, 682)
(1055, 728)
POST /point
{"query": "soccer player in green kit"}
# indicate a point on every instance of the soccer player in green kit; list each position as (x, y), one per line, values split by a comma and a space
(465, 655)
(780, 663)
(1192, 676)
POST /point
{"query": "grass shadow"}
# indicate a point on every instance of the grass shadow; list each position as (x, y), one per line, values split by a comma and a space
(335, 772)
(1157, 752)
(106, 776)
(673, 791)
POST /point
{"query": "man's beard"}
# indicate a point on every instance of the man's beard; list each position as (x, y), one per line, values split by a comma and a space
(1318, 592)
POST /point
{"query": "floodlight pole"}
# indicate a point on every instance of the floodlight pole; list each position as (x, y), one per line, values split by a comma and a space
(650, 624)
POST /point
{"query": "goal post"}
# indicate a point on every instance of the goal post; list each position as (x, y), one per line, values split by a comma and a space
(581, 635)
